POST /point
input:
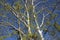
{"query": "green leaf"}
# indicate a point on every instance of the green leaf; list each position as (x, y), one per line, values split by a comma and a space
(57, 26)
(24, 38)
(48, 23)
(17, 6)
(7, 7)
(2, 37)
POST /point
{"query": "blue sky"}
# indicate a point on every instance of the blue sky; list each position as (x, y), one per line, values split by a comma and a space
(14, 37)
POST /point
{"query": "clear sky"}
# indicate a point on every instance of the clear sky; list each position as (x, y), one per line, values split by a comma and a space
(14, 37)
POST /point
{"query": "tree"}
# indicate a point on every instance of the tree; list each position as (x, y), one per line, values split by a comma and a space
(25, 13)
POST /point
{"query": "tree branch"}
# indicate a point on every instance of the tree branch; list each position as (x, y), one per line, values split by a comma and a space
(19, 18)
(42, 21)
(38, 27)
(28, 21)
(7, 24)
(39, 3)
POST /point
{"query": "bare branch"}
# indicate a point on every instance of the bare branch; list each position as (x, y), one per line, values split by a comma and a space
(7, 24)
(42, 21)
(33, 6)
(28, 21)
(20, 18)
(39, 3)
(38, 28)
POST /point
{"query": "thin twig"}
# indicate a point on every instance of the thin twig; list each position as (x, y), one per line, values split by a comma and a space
(7, 24)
